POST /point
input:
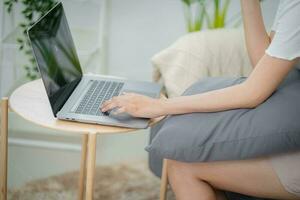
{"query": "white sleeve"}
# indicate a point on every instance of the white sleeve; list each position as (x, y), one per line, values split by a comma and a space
(286, 41)
(278, 13)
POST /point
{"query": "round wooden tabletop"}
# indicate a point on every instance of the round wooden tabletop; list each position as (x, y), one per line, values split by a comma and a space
(30, 101)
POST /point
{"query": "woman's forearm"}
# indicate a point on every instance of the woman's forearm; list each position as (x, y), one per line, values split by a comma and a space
(257, 38)
(217, 100)
(261, 83)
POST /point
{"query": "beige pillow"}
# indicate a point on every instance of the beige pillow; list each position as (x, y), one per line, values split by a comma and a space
(197, 55)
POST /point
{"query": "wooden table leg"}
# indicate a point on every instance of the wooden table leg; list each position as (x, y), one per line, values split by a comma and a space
(82, 173)
(164, 181)
(3, 148)
(90, 173)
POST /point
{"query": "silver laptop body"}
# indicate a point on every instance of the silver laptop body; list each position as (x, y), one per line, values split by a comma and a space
(72, 95)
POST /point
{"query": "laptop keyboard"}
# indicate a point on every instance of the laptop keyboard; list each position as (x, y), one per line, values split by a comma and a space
(97, 94)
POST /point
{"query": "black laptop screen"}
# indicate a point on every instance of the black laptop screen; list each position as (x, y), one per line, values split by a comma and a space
(56, 56)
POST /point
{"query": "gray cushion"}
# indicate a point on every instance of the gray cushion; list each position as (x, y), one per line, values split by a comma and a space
(272, 127)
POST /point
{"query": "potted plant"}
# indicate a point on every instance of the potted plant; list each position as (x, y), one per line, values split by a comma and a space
(196, 21)
(31, 10)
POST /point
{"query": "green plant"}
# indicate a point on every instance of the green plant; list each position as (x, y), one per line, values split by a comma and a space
(31, 10)
(196, 22)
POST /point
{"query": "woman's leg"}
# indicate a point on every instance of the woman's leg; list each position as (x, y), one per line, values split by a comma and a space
(194, 181)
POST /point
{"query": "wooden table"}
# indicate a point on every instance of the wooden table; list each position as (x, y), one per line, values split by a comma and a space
(31, 103)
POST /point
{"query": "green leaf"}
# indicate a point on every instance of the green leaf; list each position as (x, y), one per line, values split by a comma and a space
(23, 25)
(19, 40)
(224, 12)
(32, 60)
(9, 8)
(29, 16)
(189, 2)
(28, 52)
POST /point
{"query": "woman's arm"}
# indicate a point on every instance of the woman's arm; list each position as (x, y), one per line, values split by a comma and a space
(257, 38)
(261, 83)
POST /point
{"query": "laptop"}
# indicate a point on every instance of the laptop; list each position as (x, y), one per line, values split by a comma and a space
(73, 95)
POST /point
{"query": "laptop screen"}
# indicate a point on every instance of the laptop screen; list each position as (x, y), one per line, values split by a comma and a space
(56, 56)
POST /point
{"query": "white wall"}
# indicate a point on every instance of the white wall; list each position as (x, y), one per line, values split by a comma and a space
(140, 28)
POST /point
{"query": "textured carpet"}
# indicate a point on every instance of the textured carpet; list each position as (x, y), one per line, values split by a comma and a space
(116, 182)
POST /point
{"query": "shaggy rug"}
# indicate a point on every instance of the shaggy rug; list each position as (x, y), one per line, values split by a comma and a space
(115, 182)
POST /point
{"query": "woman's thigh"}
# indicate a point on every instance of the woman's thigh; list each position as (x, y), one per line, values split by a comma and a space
(254, 177)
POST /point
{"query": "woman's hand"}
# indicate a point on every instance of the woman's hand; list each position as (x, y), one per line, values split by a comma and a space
(135, 104)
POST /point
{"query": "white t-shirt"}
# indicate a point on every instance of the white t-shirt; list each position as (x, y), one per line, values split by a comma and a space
(286, 41)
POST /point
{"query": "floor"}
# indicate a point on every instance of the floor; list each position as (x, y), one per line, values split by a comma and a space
(115, 182)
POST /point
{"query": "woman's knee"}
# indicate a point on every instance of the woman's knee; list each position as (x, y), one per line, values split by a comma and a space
(180, 169)
(200, 171)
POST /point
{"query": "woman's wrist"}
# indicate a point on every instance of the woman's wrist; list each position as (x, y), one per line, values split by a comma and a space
(171, 106)
(163, 106)
(176, 105)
